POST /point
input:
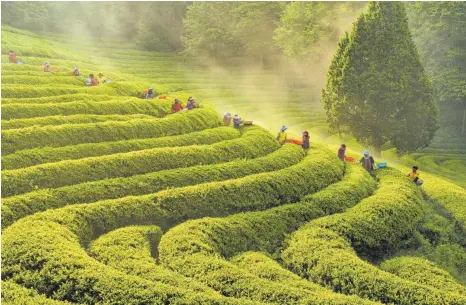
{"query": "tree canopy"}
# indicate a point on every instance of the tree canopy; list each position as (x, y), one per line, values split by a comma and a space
(439, 31)
(377, 89)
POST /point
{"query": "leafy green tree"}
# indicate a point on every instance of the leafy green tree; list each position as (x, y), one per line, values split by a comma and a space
(439, 31)
(255, 24)
(309, 31)
(210, 30)
(26, 15)
(161, 25)
(377, 89)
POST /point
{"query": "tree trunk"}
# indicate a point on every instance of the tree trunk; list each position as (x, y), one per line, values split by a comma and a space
(463, 127)
(377, 150)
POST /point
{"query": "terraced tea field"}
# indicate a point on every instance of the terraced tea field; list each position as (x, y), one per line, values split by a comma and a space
(112, 199)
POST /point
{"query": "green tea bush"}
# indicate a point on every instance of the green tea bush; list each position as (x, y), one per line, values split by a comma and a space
(68, 119)
(324, 250)
(16, 207)
(14, 294)
(422, 271)
(451, 197)
(43, 80)
(35, 156)
(221, 198)
(72, 134)
(66, 272)
(198, 248)
(263, 266)
(129, 250)
(255, 142)
(62, 99)
(129, 106)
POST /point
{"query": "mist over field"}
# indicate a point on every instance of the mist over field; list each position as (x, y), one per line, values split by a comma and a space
(341, 181)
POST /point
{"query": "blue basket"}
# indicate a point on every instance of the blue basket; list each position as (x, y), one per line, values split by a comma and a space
(381, 165)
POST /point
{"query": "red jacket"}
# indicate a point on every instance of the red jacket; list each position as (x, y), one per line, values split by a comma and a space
(177, 107)
(94, 82)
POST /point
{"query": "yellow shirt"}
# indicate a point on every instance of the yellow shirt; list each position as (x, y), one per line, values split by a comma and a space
(282, 137)
(413, 175)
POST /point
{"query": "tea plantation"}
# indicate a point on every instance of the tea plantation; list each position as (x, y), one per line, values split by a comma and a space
(108, 198)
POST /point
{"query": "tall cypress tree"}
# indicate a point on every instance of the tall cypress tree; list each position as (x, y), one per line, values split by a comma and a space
(377, 89)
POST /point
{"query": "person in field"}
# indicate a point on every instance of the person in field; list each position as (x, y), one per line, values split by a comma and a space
(341, 152)
(191, 104)
(150, 93)
(176, 107)
(47, 67)
(237, 121)
(281, 137)
(75, 71)
(227, 119)
(306, 139)
(12, 57)
(414, 175)
(367, 161)
(94, 80)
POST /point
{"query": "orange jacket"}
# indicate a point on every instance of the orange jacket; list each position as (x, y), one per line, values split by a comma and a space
(94, 81)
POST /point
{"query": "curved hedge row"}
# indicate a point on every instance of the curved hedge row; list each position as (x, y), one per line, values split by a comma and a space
(72, 134)
(16, 207)
(56, 264)
(66, 272)
(450, 196)
(263, 266)
(35, 156)
(62, 99)
(43, 80)
(114, 88)
(129, 250)
(316, 171)
(254, 142)
(422, 271)
(13, 293)
(130, 106)
(197, 248)
(68, 119)
(324, 250)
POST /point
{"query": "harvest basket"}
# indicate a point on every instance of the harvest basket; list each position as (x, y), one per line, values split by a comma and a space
(349, 159)
(247, 122)
(382, 165)
(162, 97)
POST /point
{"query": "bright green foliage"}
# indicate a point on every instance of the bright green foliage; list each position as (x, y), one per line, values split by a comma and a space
(208, 31)
(35, 156)
(326, 250)
(265, 267)
(439, 32)
(15, 294)
(16, 207)
(71, 134)
(451, 197)
(308, 31)
(222, 198)
(381, 93)
(130, 106)
(198, 248)
(129, 249)
(422, 271)
(68, 119)
(69, 172)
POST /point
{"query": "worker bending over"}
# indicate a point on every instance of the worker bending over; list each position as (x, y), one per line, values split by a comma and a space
(237, 121)
(176, 107)
(227, 119)
(367, 161)
(281, 137)
(341, 152)
(12, 57)
(306, 139)
(414, 175)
